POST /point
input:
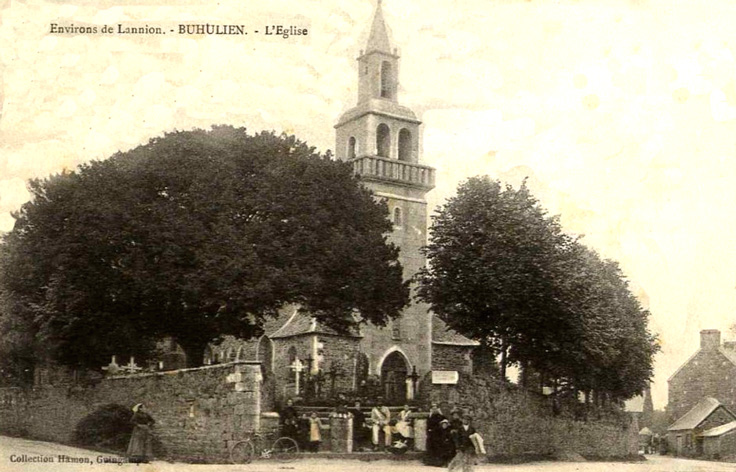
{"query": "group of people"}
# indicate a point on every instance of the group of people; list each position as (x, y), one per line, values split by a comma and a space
(384, 431)
(306, 430)
(453, 441)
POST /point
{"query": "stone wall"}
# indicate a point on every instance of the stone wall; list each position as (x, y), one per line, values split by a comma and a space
(283, 374)
(517, 423)
(198, 412)
(720, 447)
(339, 353)
(448, 357)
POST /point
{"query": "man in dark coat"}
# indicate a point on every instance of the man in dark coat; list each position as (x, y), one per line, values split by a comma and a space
(360, 430)
(464, 447)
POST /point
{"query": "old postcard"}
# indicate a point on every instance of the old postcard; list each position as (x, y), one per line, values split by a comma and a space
(616, 117)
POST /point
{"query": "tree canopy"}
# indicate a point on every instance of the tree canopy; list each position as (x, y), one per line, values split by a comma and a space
(195, 235)
(503, 272)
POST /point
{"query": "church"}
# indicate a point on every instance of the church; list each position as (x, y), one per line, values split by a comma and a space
(416, 356)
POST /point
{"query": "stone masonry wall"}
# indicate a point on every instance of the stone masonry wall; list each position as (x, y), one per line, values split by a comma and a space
(515, 423)
(446, 357)
(339, 354)
(198, 412)
(283, 374)
(708, 374)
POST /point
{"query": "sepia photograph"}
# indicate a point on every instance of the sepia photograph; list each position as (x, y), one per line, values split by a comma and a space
(368, 235)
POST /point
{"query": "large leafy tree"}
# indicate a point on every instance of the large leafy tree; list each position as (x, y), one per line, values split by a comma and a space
(494, 258)
(501, 271)
(196, 235)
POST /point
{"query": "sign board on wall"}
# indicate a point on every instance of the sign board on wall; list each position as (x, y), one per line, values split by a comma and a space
(445, 377)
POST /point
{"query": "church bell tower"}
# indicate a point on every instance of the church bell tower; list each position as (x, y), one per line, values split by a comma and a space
(380, 138)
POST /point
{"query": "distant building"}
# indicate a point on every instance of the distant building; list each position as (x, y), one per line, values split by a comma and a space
(710, 372)
(685, 436)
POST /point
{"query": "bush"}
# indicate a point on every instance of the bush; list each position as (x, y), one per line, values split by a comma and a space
(108, 427)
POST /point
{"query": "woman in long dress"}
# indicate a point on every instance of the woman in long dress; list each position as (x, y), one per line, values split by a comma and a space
(140, 447)
(403, 426)
(315, 435)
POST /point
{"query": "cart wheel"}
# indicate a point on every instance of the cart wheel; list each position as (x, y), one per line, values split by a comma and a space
(242, 452)
(285, 449)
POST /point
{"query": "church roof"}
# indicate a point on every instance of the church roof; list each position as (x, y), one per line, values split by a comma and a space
(697, 414)
(442, 334)
(299, 323)
(378, 39)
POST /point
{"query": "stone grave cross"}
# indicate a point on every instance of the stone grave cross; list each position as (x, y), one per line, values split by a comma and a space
(298, 367)
(112, 368)
(131, 367)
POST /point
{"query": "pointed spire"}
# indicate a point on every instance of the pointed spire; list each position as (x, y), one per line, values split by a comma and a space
(378, 39)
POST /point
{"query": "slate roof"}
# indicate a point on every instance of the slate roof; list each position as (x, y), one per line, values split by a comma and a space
(696, 415)
(720, 430)
(442, 334)
(298, 323)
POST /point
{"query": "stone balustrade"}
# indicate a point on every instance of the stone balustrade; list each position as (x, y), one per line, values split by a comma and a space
(406, 173)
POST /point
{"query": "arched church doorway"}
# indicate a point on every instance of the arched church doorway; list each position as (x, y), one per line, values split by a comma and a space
(393, 378)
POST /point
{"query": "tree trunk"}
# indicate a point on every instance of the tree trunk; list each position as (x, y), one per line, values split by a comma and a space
(525, 374)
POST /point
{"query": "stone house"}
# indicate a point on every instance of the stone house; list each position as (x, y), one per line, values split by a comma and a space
(710, 372)
(685, 436)
(380, 137)
(720, 442)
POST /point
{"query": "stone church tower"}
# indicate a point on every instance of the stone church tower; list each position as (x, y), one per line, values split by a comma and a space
(416, 356)
(381, 138)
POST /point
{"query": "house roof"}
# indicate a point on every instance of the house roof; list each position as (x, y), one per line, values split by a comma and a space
(720, 430)
(442, 334)
(696, 415)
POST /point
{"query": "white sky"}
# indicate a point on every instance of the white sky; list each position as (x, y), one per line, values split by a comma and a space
(622, 113)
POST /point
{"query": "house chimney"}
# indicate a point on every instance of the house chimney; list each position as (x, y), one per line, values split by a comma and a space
(710, 339)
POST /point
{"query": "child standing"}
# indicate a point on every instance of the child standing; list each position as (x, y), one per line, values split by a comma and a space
(315, 435)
